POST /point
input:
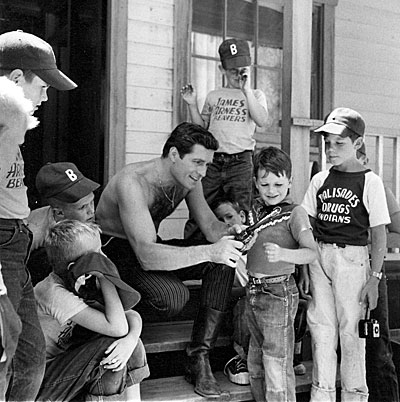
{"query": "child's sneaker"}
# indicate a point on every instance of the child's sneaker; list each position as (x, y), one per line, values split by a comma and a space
(236, 371)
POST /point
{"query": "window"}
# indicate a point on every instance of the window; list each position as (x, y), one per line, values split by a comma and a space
(258, 22)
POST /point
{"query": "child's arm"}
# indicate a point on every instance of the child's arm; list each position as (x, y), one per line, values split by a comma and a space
(369, 294)
(189, 95)
(305, 254)
(119, 352)
(111, 322)
(257, 112)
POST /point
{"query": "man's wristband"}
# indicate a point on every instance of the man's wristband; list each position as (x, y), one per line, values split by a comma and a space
(377, 274)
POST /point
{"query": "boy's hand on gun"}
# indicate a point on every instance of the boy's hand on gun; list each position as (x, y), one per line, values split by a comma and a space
(118, 354)
(273, 252)
(188, 93)
(369, 294)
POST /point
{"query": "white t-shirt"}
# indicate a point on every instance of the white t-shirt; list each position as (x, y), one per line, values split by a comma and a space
(56, 307)
(227, 114)
(13, 198)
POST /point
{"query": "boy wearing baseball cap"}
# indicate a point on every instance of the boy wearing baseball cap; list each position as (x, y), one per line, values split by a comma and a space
(26, 370)
(343, 203)
(70, 196)
(231, 114)
(84, 291)
(30, 62)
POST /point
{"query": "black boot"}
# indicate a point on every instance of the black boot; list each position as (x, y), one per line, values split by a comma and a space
(204, 335)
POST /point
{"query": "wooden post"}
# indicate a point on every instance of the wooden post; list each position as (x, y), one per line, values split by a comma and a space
(296, 90)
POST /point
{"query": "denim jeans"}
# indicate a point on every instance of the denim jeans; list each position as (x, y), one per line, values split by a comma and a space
(381, 371)
(10, 330)
(78, 372)
(27, 367)
(337, 277)
(228, 175)
(270, 311)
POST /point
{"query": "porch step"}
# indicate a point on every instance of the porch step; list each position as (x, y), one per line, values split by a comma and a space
(178, 389)
(171, 336)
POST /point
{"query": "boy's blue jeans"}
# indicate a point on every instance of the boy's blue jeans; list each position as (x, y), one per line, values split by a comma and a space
(270, 311)
(228, 175)
(78, 371)
(337, 278)
(27, 367)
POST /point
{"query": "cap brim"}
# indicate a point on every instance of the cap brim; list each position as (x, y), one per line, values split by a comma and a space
(56, 78)
(235, 62)
(129, 296)
(77, 190)
(331, 128)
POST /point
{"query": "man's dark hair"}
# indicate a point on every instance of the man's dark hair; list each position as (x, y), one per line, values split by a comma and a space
(185, 136)
(273, 160)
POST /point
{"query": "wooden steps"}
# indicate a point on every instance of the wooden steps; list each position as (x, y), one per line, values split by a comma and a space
(171, 338)
(178, 389)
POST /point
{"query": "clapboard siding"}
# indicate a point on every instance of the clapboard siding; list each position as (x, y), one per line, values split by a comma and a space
(149, 98)
(367, 62)
(148, 143)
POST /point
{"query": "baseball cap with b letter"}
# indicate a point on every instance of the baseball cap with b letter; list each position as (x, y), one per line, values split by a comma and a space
(234, 53)
(25, 51)
(64, 182)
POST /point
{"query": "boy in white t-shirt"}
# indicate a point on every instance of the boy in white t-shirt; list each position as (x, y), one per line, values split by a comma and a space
(84, 291)
(231, 114)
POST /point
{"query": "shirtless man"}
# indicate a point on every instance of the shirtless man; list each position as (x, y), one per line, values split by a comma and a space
(130, 210)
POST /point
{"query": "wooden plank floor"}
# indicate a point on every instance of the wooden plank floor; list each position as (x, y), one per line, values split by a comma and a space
(178, 389)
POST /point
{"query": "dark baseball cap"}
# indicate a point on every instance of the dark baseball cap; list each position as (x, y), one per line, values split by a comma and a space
(22, 50)
(342, 119)
(92, 263)
(64, 182)
(234, 53)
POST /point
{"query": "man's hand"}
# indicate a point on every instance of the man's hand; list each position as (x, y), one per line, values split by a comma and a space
(234, 229)
(226, 251)
(369, 293)
(188, 93)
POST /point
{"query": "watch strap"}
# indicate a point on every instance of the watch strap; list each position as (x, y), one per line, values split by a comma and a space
(377, 274)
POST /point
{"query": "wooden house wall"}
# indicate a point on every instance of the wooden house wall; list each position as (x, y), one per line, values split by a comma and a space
(150, 88)
(367, 74)
(367, 65)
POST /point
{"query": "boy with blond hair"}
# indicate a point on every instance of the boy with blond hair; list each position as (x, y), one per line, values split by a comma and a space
(343, 202)
(85, 290)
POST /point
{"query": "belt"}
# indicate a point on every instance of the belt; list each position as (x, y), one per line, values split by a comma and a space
(225, 156)
(267, 279)
(336, 245)
(12, 222)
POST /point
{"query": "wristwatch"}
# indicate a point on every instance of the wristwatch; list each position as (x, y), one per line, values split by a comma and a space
(377, 274)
